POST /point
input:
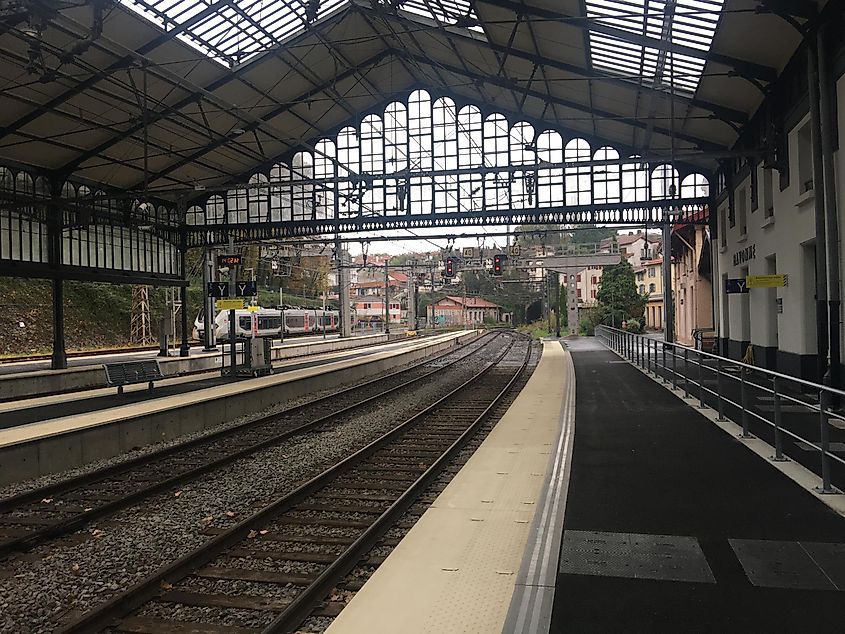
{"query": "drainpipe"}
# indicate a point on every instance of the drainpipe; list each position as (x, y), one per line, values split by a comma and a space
(818, 189)
(832, 377)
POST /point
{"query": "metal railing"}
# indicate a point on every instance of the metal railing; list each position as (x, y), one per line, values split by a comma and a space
(776, 406)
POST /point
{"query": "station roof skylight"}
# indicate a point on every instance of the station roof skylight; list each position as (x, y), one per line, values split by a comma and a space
(687, 23)
(232, 31)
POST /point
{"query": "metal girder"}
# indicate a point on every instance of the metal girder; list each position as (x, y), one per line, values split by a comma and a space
(743, 67)
(39, 270)
(722, 112)
(563, 263)
(509, 85)
(645, 212)
(281, 109)
(805, 9)
(124, 62)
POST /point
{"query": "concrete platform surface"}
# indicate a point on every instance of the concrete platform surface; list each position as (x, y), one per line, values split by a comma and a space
(32, 410)
(455, 571)
(672, 525)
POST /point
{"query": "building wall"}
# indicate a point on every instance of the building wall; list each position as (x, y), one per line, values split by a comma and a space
(781, 243)
(693, 292)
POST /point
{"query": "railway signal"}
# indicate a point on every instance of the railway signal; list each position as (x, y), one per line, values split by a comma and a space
(498, 263)
(450, 267)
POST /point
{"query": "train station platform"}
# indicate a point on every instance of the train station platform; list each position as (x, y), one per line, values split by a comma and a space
(36, 409)
(48, 446)
(650, 518)
(456, 569)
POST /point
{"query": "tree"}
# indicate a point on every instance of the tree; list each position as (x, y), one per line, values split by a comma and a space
(617, 294)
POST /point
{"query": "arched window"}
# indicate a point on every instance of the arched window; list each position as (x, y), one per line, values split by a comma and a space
(470, 154)
(695, 186)
(578, 186)
(258, 197)
(348, 155)
(523, 151)
(606, 178)
(635, 181)
(325, 159)
(550, 190)
(302, 170)
(281, 208)
(664, 182)
(445, 121)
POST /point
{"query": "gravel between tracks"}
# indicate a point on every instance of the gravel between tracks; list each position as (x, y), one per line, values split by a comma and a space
(56, 582)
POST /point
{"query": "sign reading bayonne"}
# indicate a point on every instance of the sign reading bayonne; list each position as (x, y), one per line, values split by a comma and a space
(746, 254)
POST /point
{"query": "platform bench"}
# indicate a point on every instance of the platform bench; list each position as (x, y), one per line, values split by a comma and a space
(130, 372)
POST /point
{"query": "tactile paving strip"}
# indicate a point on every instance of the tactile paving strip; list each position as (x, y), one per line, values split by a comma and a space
(634, 556)
(794, 565)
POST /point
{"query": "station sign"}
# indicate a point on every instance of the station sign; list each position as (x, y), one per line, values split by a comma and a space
(242, 289)
(230, 260)
(246, 289)
(767, 281)
(217, 289)
(230, 304)
(738, 285)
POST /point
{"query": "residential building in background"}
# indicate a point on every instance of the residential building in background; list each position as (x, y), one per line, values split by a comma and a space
(459, 311)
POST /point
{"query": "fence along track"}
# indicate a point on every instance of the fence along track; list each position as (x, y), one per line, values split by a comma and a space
(34, 517)
(385, 478)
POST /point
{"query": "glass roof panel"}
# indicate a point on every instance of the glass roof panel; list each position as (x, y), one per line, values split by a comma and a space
(689, 23)
(232, 31)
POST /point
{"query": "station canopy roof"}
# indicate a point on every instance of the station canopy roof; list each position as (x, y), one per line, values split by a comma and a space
(224, 87)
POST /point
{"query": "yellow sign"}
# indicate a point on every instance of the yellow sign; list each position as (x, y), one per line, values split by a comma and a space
(513, 250)
(253, 309)
(767, 281)
(230, 304)
(468, 252)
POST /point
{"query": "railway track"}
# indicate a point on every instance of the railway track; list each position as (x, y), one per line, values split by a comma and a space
(276, 568)
(35, 517)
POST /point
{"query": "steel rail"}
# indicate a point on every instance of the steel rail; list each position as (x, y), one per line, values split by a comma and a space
(118, 607)
(64, 526)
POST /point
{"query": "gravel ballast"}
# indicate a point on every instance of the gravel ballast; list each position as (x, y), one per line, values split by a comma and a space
(55, 583)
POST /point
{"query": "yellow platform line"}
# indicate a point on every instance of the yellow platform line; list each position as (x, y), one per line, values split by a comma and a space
(456, 569)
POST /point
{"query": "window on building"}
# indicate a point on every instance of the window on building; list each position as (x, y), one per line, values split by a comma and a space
(754, 190)
(652, 271)
(642, 289)
(651, 288)
(723, 228)
(578, 278)
(742, 209)
(768, 192)
(805, 160)
(594, 279)
(593, 294)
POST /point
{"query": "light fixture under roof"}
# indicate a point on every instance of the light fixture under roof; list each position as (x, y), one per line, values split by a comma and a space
(232, 32)
(687, 23)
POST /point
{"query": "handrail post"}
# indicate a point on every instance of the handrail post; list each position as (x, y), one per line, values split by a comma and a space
(647, 343)
(663, 355)
(778, 457)
(700, 381)
(824, 435)
(720, 406)
(743, 395)
(686, 372)
(674, 368)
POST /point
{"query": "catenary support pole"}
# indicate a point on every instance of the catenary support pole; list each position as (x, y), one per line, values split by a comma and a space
(822, 336)
(59, 359)
(826, 116)
(185, 347)
(208, 313)
(343, 289)
(386, 300)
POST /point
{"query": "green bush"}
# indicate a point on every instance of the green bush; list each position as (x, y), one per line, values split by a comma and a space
(634, 326)
(586, 328)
